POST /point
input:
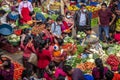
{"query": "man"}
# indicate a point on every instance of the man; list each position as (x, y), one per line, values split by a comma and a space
(25, 8)
(104, 21)
(81, 18)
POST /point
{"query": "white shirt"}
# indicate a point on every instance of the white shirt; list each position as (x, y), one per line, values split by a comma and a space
(27, 4)
(3, 19)
(82, 19)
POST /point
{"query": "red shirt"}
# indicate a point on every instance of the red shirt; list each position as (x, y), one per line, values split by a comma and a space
(105, 17)
(44, 58)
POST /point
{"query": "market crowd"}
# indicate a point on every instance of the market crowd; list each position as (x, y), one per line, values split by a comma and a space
(42, 44)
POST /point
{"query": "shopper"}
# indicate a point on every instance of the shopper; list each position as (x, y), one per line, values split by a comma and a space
(81, 19)
(44, 57)
(6, 70)
(99, 71)
(56, 28)
(104, 23)
(76, 74)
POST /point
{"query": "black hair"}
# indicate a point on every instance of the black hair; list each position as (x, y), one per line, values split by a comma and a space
(104, 4)
(1, 77)
(25, 31)
(27, 39)
(48, 19)
(67, 68)
(109, 75)
(99, 65)
(42, 45)
(8, 65)
(36, 41)
(83, 5)
(60, 41)
(61, 77)
(51, 65)
(59, 19)
(2, 12)
(26, 73)
(42, 34)
(88, 29)
(68, 12)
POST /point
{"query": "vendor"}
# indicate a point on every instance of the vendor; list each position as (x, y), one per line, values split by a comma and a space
(93, 41)
(25, 8)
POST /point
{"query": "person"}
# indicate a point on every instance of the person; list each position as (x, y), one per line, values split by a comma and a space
(28, 48)
(99, 71)
(25, 8)
(49, 72)
(44, 57)
(92, 40)
(104, 23)
(6, 69)
(3, 17)
(56, 28)
(109, 75)
(76, 73)
(117, 75)
(28, 74)
(81, 19)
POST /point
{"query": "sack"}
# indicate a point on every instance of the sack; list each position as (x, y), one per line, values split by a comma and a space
(33, 59)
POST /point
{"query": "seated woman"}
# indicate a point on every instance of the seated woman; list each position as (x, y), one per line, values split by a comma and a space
(6, 68)
(99, 71)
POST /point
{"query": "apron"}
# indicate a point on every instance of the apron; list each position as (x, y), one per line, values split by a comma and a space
(26, 15)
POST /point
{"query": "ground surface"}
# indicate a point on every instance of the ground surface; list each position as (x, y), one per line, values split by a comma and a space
(18, 55)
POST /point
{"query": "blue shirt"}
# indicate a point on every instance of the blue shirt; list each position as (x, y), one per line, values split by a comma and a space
(56, 29)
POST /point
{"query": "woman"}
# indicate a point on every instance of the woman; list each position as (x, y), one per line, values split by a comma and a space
(28, 48)
(25, 8)
(6, 69)
(99, 71)
(44, 57)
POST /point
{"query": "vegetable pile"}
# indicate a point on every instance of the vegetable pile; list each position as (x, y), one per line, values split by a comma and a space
(13, 38)
(81, 35)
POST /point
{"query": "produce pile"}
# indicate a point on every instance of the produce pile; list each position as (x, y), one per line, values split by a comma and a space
(85, 62)
(92, 8)
(37, 29)
(73, 8)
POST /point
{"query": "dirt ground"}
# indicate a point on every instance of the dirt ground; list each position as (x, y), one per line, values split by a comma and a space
(18, 55)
